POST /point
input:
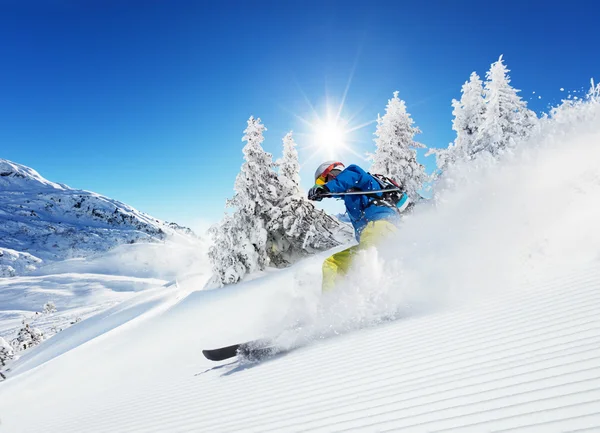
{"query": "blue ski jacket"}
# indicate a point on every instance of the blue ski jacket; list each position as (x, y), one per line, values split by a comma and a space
(359, 207)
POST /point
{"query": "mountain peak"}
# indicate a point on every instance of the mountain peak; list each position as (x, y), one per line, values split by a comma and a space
(18, 176)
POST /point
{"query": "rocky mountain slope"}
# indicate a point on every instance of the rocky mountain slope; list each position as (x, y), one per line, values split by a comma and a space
(43, 221)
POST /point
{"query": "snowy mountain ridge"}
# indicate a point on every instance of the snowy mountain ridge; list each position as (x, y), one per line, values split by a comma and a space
(50, 221)
(17, 176)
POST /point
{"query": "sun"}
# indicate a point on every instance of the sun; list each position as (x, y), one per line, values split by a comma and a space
(330, 136)
(330, 133)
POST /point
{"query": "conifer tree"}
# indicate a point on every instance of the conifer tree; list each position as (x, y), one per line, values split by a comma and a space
(240, 241)
(468, 116)
(289, 166)
(6, 352)
(27, 337)
(395, 155)
(506, 119)
(232, 254)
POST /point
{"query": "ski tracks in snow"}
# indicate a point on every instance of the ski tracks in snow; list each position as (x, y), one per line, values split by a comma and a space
(526, 361)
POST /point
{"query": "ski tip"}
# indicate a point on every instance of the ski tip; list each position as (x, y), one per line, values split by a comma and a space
(221, 353)
(208, 354)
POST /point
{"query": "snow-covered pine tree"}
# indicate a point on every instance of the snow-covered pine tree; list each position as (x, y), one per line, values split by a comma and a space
(27, 337)
(257, 185)
(243, 237)
(506, 119)
(289, 167)
(396, 156)
(232, 254)
(6, 354)
(468, 116)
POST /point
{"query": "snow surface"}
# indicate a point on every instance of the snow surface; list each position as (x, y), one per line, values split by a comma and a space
(481, 316)
(528, 360)
(85, 287)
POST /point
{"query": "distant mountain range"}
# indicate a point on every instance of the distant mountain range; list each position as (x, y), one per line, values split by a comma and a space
(43, 221)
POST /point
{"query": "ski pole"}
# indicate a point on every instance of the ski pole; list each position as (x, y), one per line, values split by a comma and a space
(332, 194)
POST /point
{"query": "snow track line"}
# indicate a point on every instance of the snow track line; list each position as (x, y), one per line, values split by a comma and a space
(496, 342)
(588, 408)
(529, 318)
(438, 348)
(419, 384)
(411, 328)
(417, 395)
(587, 429)
(579, 419)
(380, 395)
(460, 349)
(416, 336)
(384, 408)
(530, 361)
(595, 393)
(262, 390)
(183, 419)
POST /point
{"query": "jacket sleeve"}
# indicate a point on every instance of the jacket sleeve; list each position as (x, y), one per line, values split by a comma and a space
(352, 177)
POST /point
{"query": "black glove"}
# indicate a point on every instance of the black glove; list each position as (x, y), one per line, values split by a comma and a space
(317, 192)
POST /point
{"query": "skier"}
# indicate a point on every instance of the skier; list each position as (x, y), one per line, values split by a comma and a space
(372, 218)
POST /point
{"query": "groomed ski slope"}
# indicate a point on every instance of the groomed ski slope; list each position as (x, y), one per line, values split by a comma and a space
(494, 295)
(526, 361)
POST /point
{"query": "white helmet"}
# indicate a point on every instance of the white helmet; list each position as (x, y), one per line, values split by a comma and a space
(325, 168)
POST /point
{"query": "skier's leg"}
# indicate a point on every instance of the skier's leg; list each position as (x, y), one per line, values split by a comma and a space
(375, 232)
(336, 266)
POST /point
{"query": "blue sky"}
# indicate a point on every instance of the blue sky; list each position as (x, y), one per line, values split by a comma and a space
(146, 101)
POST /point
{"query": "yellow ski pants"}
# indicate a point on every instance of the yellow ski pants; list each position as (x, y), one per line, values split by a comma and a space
(338, 264)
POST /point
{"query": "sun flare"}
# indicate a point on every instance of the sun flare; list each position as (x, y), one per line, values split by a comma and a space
(330, 136)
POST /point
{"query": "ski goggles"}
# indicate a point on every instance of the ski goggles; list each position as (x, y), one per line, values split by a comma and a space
(322, 180)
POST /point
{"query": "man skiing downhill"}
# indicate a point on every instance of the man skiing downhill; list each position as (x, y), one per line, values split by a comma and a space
(373, 215)
(372, 218)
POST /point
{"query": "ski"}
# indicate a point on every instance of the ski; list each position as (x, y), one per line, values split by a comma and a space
(221, 353)
(251, 351)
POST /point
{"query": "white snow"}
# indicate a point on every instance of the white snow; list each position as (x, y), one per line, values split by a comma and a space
(524, 360)
(494, 290)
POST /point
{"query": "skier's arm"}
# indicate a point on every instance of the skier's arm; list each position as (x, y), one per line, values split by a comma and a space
(351, 177)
